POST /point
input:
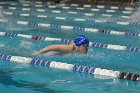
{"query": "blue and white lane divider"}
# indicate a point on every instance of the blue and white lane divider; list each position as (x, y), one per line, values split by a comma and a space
(23, 2)
(105, 7)
(68, 12)
(71, 67)
(76, 8)
(67, 41)
(41, 4)
(94, 10)
(73, 19)
(90, 10)
(66, 27)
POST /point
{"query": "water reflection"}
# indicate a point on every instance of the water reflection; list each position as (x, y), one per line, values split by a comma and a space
(6, 79)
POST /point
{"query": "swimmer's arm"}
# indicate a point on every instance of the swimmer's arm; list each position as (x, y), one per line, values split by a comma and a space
(64, 1)
(52, 48)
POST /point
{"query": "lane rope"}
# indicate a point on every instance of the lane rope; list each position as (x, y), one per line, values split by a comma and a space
(71, 67)
(71, 8)
(66, 27)
(68, 12)
(73, 19)
(67, 41)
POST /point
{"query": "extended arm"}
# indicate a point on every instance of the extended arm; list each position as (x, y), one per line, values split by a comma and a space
(53, 48)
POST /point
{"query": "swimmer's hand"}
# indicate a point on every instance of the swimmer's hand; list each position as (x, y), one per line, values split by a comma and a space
(35, 54)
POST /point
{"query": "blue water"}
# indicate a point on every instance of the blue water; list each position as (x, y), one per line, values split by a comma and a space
(26, 78)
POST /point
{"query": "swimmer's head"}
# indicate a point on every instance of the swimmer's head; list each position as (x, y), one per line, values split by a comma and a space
(81, 41)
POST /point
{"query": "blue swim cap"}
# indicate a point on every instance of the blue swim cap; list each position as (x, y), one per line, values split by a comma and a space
(81, 40)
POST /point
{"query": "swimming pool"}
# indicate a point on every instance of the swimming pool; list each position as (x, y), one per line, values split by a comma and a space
(114, 45)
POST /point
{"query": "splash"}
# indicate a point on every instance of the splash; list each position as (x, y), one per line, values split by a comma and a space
(26, 44)
(2, 45)
(136, 16)
(1, 15)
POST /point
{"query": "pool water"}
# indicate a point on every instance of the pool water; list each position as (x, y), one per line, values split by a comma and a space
(20, 77)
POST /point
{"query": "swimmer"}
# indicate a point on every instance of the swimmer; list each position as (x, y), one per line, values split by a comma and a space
(80, 45)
